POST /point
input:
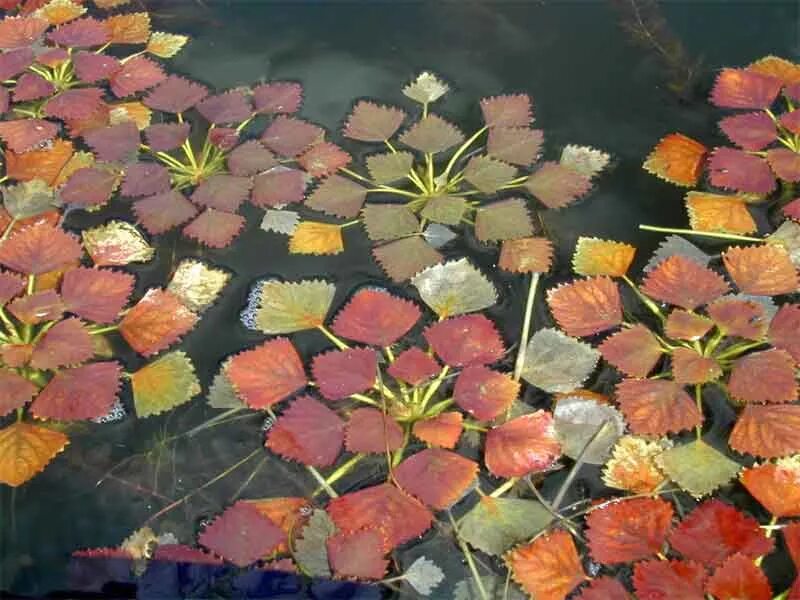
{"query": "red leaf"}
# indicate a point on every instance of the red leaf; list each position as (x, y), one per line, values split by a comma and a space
(16, 355)
(91, 67)
(156, 322)
(250, 158)
(25, 134)
(740, 88)
(215, 228)
(359, 554)
(323, 159)
(16, 32)
(38, 307)
(634, 351)
(691, 367)
(414, 366)
(267, 374)
(737, 170)
(441, 431)
(54, 57)
(774, 485)
(137, 75)
(438, 478)
(178, 553)
(586, 306)
(401, 517)
(145, 179)
(15, 391)
(77, 103)
(628, 530)
(465, 340)
(791, 537)
(288, 136)
(11, 284)
(227, 108)
(242, 535)
(175, 95)
(765, 270)
(715, 530)
(604, 588)
(164, 211)
(751, 131)
(31, 86)
(527, 444)
(556, 185)
(222, 192)
(681, 281)
(96, 294)
(89, 187)
(548, 568)
(666, 580)
(67, 343)
(279, 186)
(739, 317)
(785, 163)
(739, 579)
(308, 432)
(368, 430)
(791, 121)
(375, 317)
(484, 393)
(163, 137)
(784, 330)
(767, 431)
(13, 62)
(370, 122)
(766, 376)
(116, 143)
(85, 392)
(515, 145)
(513, 110)
(81, 33)
(657, 407)
(39, 248)
(341, 373)
(278, 97)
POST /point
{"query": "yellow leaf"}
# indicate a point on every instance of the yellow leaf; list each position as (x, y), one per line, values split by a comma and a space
(316, 238)
(26, 449)
(718, 212)
(79, 160)
(594, 256)
(130, 111)
(129, 28)
(286, 307)
(166, 45)
(57, 12)
(164, 384)
(774, 66)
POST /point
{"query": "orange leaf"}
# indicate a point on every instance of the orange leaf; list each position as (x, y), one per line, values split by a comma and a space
(627, 530)
(634, 351)
(776, 486)
(286, 513)
(484, 393)
(739, 317)
(686, 325)
(39, 164)
(683, 282)
(766, 376)
(441, 431)
(526, 255)
(717, 212)
(784, 330)
(602, 257)
(632, 465)
(267, 374)
(690, 367)
(316, 238)
(527, 444)
(548, 568)
(767, 431)
(677, 159)
(657, 407)
(129, 28)
(659, 579)
(157, 321)
(765, 270)
(25, 450)
(587, 306)
(739, 579)
(779, 68)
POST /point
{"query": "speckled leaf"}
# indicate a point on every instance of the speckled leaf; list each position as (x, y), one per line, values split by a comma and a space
(116, 243)
(197, 284)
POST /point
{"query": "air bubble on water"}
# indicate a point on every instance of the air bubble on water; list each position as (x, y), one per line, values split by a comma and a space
(117, 413)
(248, 315)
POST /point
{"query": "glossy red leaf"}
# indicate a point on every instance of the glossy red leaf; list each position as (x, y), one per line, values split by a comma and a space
(513, 110)
(89, 187)
(323, 159)
(634, 351)
(163, 137)
(664, 580)
(738, 170)
(15, 391)
(484, 393)
(714, 531)
(604, 588)
(775, 486)
(25, 134)
(136, 75)
(767, 431)
(267, 373)
(784, 330)
(96, 294)
(438, 478)
(739, 317)
(357, 554)
(740, 88)
(227, 108)
(767, 376)
(67, 343)
(11, 285)
(548, 568)
(691, 367)
(765, 270)
(13, 62)
(370, 122)
(401, 517)
(308, 432)
(278, 97)
(368, 430)
(215, 228)
(556, 185)
(288, 136)
(37, 307)
(441, 431)
(586, 306)
(279, 186)
(116, 143)
(175, 95)
(242, 535)
(164, 211)
(750, 131)
(414, 366)
(465, 340)
(628, 530)
(91, 67)
(250, 158)
(657, 407)
(376, 317)
(681, 281)
(739, 579)
(32, 86)
(81, 33)
(527, 444)
(39, 248)
(156, 322)
(222, 192)
(85, 392)
(16, 32)
(340, 373)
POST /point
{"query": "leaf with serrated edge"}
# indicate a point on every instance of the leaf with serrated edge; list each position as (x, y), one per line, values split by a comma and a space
(549, 567)
(445, 209)
(26, 450)
(632, 465)
(423, 575)
(455, 288)
(432, 134)
(558, 363)
(594, 256)
(164, 384)
(504, 220)
(389, 221)
(286, 307)
(675, 245)
(389, 167)
(426, 88)
(116, 243)
(222, 394)
(516, 145)
(438, 235)
(587, 429)
(311, 237)
(280, 221)
(404, 258)
(310, 550)
(197, 284)
(488, 174)
(719, 212)
(788, 236)
(584, 159)
(370, 122)
(697, 467)
(677, 159)
(496, 524)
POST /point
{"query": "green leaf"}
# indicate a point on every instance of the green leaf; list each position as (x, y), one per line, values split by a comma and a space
(432, 134)
(488, 174)
(505, 220)
(286, 307)
(455, 288)
(389, 167)
(445, 209)
(28, 199)
(496, 524)
(426, 88)
(697, 467)
(222, 394)
(310, 550)
(389, 221)
(555, 362)
(164, 384)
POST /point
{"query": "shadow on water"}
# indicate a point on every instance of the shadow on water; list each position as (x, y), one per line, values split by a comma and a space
(590, 85)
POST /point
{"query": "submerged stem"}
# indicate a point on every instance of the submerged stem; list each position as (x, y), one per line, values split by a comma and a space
(526, 327)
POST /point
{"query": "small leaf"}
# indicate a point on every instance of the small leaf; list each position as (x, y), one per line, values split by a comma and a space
(197, 284)
(432, 134)
(686, 325)
(587, 306)
(375, 317)
(308, 432)
(587, 429)
(28, 199)
(46, 164)
(25, 450)
(369, 122)
(164, 384)
(338, 196)
(465, 340)
(455, 288)
(165, 45)
(222, 192)
(215, 228)
(116, 143)
(414, 366)
(556, 185)
(323, 159)
(527, 444)
(494, 525)
(767, 431)
(586, 160)
(516, 145)
(250, 158)
(424, 576)
(91, 187)
(266, 374)
(741, 88)
(37, 307)
(175, 95)
(683, 282)
(67, 343)
(438, 235)
(129, 28)
(445, 209)
(389, 221)
(163, 137)
(775, 487)
(404, 258)
(634, 351)
(441, 431)
(310, 550)
(604, 588)
(286, 307)
(657, 407)
(739, 317)
(547, 568)
(558, 363)
(632, 465)
(677, 159)
(512, 110)
(764, 270)
(288, 136)
(221, 393)
(242, 534)
(164, 211)
(628, 530)
(279, 186)
(135, 76)
(526, 255)
(594, 256)
(426, 88)
(691, 367)
(156, 322)
(15, 391)
(697, 467)
(280, 221)
(438, 478)
(734, 169)
(484, 393)
(504, 220)
(116, 243)
(488, 174)
(310, 237)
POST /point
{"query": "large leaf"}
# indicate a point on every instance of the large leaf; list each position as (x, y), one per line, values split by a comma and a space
(242, 534)
(555, 362)
(691, 367)
(308, 432)
(527, 444)
(39, 248)
(504, 220)
(357, 554)
(556, 185)
(697, 467)
(587, 428)
(15, 391)
(484, 393)
(511, 110)
(741, 88)
(767, 431)
(766, 376)
(375, 317)
(775, 487)
(404, 258)
(26, 450)
(677, 159)
(669, 579)
(85, 392)
(445, 209)
(432, 134)
(634, 351)
(341, 373)
(587, 306)
(96, 294)
(750, 131)
(594, 256)
(197, 284)
(683, 282)
(389, 167)
(164, 384)
(441, 431)
(286, 307)
(215, 228)
(338, 196)
(389, 221)
(764, 270)
(549, 567)
(67, 343)
(369, 122)
(266, 374)
(455, 288)
(438, 478)
(156, 322)
(465, 340)
(718, 212)
(323, 159)
(739, 577)
(496, 524)
(516, 145)
(733, 169)
(628, 530)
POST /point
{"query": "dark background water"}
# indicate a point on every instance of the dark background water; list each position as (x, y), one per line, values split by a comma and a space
(589, 84)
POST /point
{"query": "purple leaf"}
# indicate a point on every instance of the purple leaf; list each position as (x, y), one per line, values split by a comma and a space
(751, 131)
(164, 211)
(278, 97)
(81, 33)
(163, 137)
(279, 186)
(223, 192)
(116, 143)
(289, 136)
(513, 110)
(91, 67)
(515, 145)
(228, 108)
(338, 196)
(175, 95)
(14, 62)
(556, 185)
(250, 158)
(740, 88)
(31, 86)
(737, 170)
(215, 228)
(90, 186)
(785, 163)
(145, 179)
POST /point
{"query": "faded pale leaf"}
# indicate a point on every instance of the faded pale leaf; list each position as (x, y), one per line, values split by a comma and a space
(676, 245)
(280, 221)
(286, 307)
(311, 551)
(632, 466)
(438, 235)
(587, 428)
(424, 576)
(28, 199)
(165, 45)
(389, 167)
(557, 363)
(198, 284)
(594, 256)
(788, 236)
(494, 525)
(697, 467)
(585, 160)
(116, 243)
(222, 394)
(426, 88)
(455, 288)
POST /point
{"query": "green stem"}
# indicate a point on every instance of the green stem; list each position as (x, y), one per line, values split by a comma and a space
(645, 300)
(365, 399)
(526, 327)
(504, 488)
(468, 555)
(698, 399)
(461, 150)
(102, 330)
(332, 337)
(737, 349)
(340, 472)
(434, 386)
(712, 234)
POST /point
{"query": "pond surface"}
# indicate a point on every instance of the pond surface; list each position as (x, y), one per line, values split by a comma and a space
(590, 86)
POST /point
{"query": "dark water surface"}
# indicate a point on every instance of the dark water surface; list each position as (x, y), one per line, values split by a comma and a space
(589, 84)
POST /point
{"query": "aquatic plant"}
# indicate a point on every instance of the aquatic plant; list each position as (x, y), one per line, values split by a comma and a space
(57, 364)
(441, 182)
(766, 136)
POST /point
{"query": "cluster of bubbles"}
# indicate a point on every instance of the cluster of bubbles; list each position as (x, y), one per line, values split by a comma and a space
(117, 413)
(248, 315)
